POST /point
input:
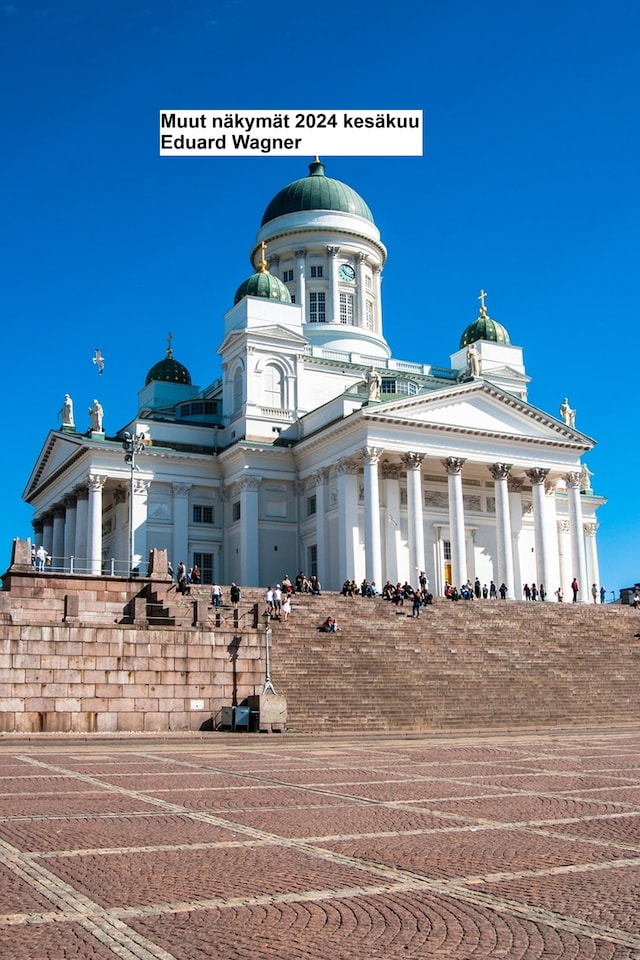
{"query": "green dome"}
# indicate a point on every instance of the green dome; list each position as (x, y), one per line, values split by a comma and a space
(484, 328)
(263, 284)
(169, 371)
(316, 192)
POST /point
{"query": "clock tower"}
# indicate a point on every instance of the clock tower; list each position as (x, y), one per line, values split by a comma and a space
(325, 248)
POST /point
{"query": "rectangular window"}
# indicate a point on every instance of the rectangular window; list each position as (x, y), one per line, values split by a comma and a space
(368, 315)
(311, 505)
(317, 308)
(313, 560)
(287, 276)
(316, 272)
(205, 562)
(293, 298)
(367, 281)
(202, 514)
(346, 308)
(446, 549)
(235, 511)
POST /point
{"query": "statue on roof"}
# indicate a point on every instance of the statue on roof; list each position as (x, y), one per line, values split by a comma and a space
(66, 413)
(373, 381)
(585, 479)
(96, 412)
(567, 414)
(474, 361)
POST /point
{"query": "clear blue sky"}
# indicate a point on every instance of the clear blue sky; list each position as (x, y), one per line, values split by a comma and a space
(529, 187)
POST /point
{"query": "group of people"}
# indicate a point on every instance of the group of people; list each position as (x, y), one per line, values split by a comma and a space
(39, 558)
(534, 593)
(185, 578)
(278, 602)
(476, 591)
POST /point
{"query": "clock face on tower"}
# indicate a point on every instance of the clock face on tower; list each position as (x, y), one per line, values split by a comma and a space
(346, 272)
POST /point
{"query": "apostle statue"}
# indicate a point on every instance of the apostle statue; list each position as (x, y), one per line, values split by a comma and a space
(585, 479)
(95, 412)
(373, 381)
(67, 412)
(567, 414)
(474, 360)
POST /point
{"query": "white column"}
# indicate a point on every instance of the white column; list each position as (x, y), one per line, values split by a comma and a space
(140, 553)
(577, 536)
(372, 550)
(592, 558)
(551, 543)
(70, 502)
(321, 477)
(47, 532)
(57, 549)
(180, 524)
(360, 293)
(348, 524)
(94, 526)
(121, 520)
(301, 285)
(333, 307)
(249, 532)
(564, 554)
(377, 307)
(453, 466)
(81, 564)
(500, 474)
(413, 462)
(538, 476)
(391, 523)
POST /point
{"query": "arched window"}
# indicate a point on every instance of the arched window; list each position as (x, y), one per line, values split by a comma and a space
(273, 387)
(237, 389)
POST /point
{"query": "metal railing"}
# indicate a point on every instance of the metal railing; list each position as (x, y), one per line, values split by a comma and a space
(85, 566)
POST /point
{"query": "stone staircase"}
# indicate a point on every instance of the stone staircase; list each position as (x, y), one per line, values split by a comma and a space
(465, 665)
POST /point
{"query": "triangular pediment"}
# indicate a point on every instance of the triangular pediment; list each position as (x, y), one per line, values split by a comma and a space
(57, 453)
(477, 408)
(263, 334)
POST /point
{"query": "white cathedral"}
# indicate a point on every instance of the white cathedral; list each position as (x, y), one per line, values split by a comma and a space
(317, 450)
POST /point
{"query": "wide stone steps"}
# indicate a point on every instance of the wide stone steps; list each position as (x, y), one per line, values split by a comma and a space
(466, 664)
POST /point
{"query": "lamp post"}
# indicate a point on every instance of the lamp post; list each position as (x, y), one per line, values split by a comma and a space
(132, 444)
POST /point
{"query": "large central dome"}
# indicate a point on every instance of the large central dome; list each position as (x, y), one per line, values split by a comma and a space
(316, 192)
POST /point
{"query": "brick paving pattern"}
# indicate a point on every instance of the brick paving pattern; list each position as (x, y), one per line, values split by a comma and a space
(284, 847)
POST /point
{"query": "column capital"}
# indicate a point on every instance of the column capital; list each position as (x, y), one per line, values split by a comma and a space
(321, 476)
(590, 529)
(371, 455)
(499, 471)
(453, 465)
(515, 484)
(391, 471)
(119, 495)
(572, 479)
(537, 475)
(96, 482)
(563, 526)
(412, 460)
(300, 254)
(346, 466)
(70, 500)
(249, 483)
(333, 251)
(362, 257)
(58, 511)
(181, 489)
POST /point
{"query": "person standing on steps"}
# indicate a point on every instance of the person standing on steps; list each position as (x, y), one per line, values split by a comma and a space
(575, 589)
(417, 603)
(286, 607)
(594, 592)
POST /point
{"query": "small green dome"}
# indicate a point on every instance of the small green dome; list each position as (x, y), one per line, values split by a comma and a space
(484, 328)
(263, 284)
(169, 371)
(316, 192)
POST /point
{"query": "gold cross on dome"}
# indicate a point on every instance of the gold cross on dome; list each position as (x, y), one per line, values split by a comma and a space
(483, 294)
(169, 339)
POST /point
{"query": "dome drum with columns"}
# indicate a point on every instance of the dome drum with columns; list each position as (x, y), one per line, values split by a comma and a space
(316, 449)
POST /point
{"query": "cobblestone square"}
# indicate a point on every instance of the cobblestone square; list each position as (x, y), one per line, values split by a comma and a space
(285, 847)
